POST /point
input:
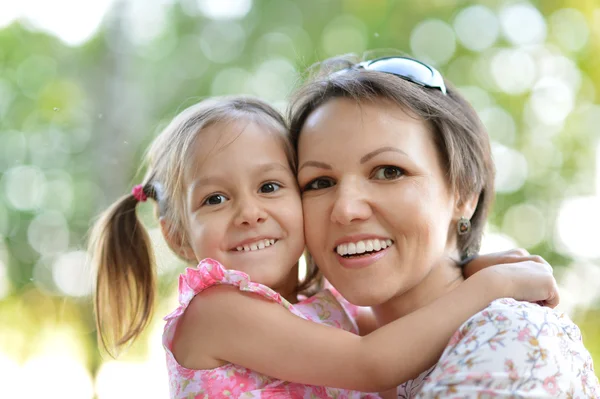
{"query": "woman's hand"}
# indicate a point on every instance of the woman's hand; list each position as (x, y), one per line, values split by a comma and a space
(527, 280)
(480, 262)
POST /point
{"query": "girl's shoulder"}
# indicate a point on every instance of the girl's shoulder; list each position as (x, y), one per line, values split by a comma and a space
(210, 273)
(224, 282)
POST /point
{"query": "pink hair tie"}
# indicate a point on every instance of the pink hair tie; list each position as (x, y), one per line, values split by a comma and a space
(138, 193)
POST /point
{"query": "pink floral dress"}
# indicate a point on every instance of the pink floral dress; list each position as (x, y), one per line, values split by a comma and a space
(234, 381)
(511, 349)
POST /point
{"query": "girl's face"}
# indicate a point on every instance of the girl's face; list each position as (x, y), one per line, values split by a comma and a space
(243, 207)
(378, 213)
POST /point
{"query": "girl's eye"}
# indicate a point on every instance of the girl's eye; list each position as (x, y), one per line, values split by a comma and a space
(319, 184)
(269, 188)
(215, 199)
(388, 173)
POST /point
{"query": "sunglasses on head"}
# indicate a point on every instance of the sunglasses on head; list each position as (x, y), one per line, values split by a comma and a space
(407, 69)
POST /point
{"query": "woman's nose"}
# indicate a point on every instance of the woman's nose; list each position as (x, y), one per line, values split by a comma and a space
(250, 213)
(351, 203)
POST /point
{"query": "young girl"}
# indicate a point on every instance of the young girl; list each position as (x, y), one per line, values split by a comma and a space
(223, 177)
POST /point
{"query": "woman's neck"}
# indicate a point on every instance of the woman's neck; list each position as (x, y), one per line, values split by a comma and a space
(441, 279)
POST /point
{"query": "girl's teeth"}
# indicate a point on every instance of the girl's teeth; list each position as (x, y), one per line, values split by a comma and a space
(362, 246)
(257, 245)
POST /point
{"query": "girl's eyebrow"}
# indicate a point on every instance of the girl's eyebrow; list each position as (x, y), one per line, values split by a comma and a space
(216, 179)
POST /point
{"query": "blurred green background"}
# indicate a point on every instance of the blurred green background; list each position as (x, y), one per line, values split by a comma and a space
(85, 86)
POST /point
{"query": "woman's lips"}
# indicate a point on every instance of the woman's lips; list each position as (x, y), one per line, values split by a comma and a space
(363, 260)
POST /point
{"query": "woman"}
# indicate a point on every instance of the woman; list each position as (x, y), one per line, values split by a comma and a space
(388, 150)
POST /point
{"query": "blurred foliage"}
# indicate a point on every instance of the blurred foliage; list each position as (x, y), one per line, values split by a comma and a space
(74, 122)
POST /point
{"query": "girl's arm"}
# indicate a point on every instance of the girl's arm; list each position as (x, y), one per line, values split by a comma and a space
(227, 325)
(480, 262)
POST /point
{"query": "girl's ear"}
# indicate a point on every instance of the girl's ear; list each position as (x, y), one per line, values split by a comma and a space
(176, 241)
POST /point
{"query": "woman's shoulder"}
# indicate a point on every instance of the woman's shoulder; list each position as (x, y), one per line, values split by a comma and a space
(516, 347)
(507, 312)
(510, 323)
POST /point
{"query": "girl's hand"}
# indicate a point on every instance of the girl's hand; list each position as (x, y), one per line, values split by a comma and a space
(480, 262)
(528, 280)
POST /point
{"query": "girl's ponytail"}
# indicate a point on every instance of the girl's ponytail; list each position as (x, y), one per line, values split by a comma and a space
(125, 284)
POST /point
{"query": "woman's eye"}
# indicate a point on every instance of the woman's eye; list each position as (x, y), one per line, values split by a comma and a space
(269, 188)
(215, 199)
(319, 184)
(388, 173)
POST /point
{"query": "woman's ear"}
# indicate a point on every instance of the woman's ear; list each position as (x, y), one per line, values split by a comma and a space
(176, 242)
(465, 207)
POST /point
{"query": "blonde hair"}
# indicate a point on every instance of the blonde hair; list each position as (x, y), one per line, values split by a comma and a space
(119, 244)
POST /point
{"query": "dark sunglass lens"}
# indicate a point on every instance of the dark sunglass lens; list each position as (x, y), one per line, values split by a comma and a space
(404, 67)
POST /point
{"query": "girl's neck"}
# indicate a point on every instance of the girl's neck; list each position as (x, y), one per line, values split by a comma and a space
(289, 288)
(442, 278)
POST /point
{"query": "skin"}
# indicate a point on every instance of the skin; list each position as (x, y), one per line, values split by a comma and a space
(383, 180)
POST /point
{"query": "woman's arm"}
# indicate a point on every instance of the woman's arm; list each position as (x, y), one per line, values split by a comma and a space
(244, 329)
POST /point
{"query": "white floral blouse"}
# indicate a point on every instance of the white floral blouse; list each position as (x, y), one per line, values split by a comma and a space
(511, 349)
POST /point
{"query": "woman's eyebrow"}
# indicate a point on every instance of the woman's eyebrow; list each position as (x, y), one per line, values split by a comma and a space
(379, 151)
(316, 164)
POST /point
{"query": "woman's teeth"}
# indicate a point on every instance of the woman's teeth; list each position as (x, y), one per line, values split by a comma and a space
(363, 246)
(255, 246)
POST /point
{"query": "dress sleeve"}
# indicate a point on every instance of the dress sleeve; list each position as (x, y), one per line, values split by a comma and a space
(514, 349)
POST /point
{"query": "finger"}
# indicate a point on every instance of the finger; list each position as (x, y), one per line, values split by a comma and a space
(518, 252)
(538, 259)
(554, 299)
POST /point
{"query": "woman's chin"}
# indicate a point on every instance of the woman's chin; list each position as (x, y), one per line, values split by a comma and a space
(364, 294)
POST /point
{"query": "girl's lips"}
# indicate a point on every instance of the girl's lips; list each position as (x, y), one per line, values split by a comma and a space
(362, 261)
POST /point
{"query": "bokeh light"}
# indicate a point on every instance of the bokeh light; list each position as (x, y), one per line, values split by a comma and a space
(84, 86)
(345, 34)
(523, 24)
(222, 42)
(72, 273)
(569, 29)
(578, 227)
(226, 9)
(477, 27)
(433, 41)
(511, 168)
(24, 187)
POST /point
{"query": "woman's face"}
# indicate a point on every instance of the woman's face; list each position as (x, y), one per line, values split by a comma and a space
(379, 215)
